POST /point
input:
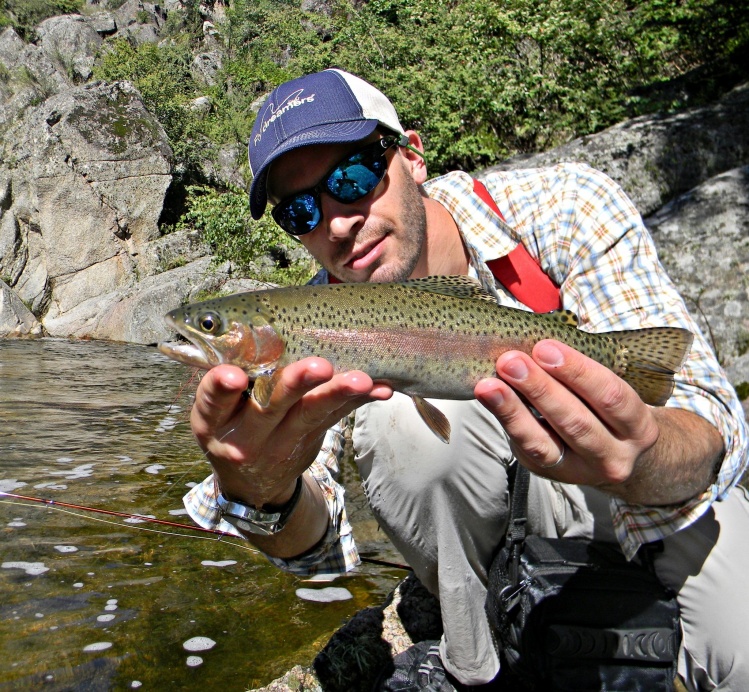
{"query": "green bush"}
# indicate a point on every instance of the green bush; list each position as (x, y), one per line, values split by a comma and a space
(480, 80)
(24, 15)
(484, 79)
(224, 222)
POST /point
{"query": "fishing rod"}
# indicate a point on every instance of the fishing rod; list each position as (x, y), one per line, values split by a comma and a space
(112, 513)
(55, 504)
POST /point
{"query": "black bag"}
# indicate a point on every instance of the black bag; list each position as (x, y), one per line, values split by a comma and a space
(573, 615)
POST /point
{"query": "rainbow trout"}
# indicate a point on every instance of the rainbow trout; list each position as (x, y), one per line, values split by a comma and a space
(434, 337)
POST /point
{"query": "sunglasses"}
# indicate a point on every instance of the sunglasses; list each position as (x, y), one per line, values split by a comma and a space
(348, 181)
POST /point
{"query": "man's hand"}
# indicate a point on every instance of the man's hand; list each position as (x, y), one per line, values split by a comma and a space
(258, 453)
(609, 437)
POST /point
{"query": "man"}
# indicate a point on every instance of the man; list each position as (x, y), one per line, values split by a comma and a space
(327, 151)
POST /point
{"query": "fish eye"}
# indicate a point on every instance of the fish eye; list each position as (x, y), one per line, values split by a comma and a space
(209, 322)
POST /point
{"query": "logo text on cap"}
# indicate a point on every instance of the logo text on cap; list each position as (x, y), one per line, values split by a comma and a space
(291, 101)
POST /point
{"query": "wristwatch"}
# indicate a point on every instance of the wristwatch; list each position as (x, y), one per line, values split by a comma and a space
(257, 521)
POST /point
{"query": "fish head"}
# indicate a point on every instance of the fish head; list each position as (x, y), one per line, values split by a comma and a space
(224, 332)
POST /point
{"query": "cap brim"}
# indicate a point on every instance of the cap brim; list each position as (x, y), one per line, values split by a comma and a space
(330, 133)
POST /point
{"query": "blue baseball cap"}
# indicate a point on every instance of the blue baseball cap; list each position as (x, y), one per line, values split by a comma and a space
(328, 107)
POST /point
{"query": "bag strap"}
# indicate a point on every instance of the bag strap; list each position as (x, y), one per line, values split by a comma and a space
(515, 536)
(518, 272)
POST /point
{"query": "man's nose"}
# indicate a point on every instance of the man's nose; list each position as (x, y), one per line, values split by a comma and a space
(341, 221)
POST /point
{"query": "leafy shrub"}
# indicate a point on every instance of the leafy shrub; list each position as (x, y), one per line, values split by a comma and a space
(224, 221)
(24, 15)
(484, 79)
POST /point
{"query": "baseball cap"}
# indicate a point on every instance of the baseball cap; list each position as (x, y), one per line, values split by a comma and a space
(328, 107)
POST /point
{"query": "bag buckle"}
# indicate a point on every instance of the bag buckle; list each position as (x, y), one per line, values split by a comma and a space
(509, 596)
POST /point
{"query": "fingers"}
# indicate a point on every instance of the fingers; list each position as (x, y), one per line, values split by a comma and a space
(259, 450)
(584, 406)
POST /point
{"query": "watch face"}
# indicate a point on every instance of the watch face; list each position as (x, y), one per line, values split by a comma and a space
(243, 525)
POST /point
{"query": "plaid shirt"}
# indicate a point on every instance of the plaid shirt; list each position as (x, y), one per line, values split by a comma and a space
(588, 237)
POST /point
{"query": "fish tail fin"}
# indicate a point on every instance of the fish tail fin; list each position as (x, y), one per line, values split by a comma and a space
(434, 418)
(653, 357)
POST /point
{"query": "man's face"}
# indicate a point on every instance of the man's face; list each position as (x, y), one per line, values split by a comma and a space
(377, 238)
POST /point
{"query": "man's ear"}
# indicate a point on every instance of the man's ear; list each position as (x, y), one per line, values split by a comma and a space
(415, 162)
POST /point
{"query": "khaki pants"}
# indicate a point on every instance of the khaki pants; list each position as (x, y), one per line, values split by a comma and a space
(445, 508)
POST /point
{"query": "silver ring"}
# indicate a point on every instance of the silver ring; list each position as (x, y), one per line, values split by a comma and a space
(560, 460)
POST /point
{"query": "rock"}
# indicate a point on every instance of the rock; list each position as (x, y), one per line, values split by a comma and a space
(226, 168)
(205, 67)
(358, 652)
(29, 77)
(90, 170)
(703, 241)
(103, 23)
(16, 320)
(657, 157)
(201, 105)
(72, 43)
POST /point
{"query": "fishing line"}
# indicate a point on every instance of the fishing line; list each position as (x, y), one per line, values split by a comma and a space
(137, 528)
(63, 507)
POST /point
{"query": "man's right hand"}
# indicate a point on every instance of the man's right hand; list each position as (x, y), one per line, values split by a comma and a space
(258, 453)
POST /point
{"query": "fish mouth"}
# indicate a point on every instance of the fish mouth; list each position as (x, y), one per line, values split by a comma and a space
(196, 351)
(185, 353)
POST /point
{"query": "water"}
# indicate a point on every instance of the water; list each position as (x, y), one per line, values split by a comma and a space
(92, 602)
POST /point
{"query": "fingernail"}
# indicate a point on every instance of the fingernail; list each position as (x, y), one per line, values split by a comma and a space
(494, 399)
(515, 368)
(549, 354)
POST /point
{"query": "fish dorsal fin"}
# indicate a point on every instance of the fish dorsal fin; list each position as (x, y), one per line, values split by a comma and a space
(454, 286)
(565, 317)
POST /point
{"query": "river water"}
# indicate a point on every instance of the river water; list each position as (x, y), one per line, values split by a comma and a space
(94, 602)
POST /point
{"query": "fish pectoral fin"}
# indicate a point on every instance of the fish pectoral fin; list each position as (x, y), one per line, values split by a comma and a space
(263, 387)
(434, 418)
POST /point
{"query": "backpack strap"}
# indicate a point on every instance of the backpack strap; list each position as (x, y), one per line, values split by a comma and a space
(518, 272)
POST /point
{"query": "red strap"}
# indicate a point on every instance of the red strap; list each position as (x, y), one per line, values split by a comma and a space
(519, 273)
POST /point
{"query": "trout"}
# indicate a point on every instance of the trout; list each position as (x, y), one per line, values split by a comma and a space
(434, 337)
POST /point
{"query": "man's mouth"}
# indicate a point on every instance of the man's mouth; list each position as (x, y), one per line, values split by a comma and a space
(365, 255)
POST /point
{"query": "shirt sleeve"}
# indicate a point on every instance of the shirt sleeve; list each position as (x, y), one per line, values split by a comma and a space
(336, 552)
(591, 240)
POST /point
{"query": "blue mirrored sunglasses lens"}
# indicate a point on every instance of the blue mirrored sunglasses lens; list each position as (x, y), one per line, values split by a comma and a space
(299, 215)
(355, 178)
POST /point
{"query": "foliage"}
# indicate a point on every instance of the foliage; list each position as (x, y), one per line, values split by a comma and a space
(224, 221)
(484, 79)
(480, 80)
(24, 15)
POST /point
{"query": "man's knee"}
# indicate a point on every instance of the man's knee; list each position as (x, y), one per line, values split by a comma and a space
(706, 564)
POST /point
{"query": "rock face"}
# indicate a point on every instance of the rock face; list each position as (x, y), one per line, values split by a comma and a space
(656, 158)
(703, 241)
(82, 197)
(84, 170)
